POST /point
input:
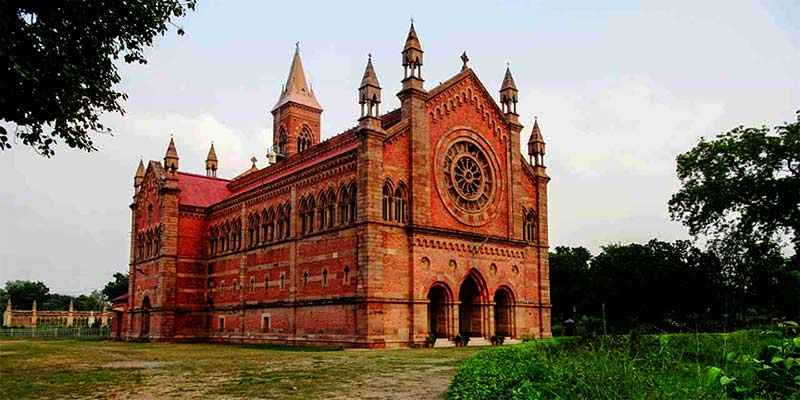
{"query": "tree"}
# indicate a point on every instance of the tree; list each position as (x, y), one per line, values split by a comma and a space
(745, 181)
(569, 281)
(23, 293)
(117, 286)
(57, 64)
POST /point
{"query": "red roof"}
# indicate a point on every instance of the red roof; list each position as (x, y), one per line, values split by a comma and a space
(120, 299)
(201, 191)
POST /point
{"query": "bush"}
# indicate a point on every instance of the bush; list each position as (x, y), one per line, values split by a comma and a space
(668, 366)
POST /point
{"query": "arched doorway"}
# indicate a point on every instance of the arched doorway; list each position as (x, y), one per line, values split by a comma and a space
(470, 309)
(145, 316)
(503, 315)
(438, 299)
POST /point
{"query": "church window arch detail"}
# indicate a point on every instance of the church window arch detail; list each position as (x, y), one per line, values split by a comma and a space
(325, 277)
(252, 284)
(528, 225)
(282, 141)
(400, 201)
(386, 209)
(304, 139)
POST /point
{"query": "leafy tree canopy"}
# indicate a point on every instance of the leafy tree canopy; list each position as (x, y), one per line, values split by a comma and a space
(23, 293)
(117, 286)
(746, 181)
(57, 64)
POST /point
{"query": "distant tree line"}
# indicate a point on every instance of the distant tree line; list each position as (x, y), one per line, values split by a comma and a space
(662, 286)
(23, 293)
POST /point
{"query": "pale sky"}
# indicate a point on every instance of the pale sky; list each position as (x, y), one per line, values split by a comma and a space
(620, 88)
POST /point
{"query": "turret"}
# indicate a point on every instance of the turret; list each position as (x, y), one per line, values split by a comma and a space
(369, 93)
(211, 162)
(508, 94)
(171, 158)
(536, 145)
(139, 177)
(412, 57)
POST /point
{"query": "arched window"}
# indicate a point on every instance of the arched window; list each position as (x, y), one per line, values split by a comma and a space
(281, 141)
(343, 214)
(252, 284)
(270, 225)
(346, 279)
(400, 203)
(283, 281)
(307, 210)
(287, 211)
(235, 285)
(325, 277)
(387, 202)
(351, 203)
(528, 225)
(304, 139)
(305, 278)
(266, 283)
(326, 213)
(222, 287)
(252, 228)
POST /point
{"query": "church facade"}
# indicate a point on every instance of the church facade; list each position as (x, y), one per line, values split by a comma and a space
(424, 220)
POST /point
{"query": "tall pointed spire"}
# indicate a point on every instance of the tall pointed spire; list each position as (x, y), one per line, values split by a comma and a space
(297, 88)
(412, 55)
(508, 93)
(139, 177)
(211, 162)
(536, 145)
(171, 158)
(369, 93)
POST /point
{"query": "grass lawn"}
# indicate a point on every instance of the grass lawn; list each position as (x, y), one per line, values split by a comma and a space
(98, 369)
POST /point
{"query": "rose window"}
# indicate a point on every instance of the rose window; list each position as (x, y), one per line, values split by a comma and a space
(468, 176)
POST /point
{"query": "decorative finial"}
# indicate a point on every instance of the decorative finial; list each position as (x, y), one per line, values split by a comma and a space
(412, 21)
(508, 64)
(297, 46)
(464, 59)
(535, 118)
(170, 135)
(369, 55)
(253, 160)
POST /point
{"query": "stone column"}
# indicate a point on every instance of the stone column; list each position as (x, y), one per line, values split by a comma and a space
(7, 314)
(34, 316)
(70, 314)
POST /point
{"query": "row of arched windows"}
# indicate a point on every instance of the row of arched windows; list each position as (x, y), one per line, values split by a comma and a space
(225, 237)
(528, 225)
(268, 225)
(235, 287)
(327, 209)
(148, 243)
(395, 200)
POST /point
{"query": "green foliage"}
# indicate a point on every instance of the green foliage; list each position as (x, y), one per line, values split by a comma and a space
(116, 287)
(23, 293)
(745, 181)
(668, 366)
(57, 64)
(633, 286)
(774, 372)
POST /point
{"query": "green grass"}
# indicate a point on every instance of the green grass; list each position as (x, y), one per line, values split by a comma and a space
(91, 369)
(671, 366)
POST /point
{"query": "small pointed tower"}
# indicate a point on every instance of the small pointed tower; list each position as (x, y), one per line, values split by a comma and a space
(297, 114)
(508, 94)
(139, 177)
(171, 158)
(211, 162)
(412, 60)
(369, 94)
(536, 146)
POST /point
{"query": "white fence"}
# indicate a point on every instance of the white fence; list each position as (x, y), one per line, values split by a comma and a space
(54, 332)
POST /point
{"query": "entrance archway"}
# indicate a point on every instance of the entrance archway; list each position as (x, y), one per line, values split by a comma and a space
(503, 315)
(438, 300)
(145, 316)
(470, 309)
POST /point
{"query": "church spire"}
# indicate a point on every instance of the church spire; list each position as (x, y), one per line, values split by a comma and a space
(297, 88)
(412, 55)
(211, 162)
(171, 158)
(369, 93)
(138, 178)
(508, 93)
(536, 145)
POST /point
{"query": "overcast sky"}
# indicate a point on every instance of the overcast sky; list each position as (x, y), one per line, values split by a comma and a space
(619, 88)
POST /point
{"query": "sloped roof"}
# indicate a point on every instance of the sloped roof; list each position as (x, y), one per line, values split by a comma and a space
(201, 191)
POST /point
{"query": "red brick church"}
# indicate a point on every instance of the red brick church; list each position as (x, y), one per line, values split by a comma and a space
(426, 219)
